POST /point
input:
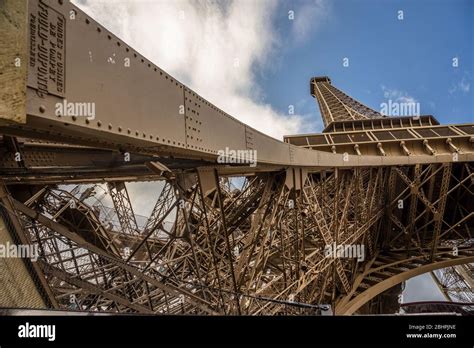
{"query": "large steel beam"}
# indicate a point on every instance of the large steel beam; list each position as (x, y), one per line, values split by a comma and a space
(87, 68)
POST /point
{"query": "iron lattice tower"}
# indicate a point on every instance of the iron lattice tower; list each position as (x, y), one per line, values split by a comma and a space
(401, 187)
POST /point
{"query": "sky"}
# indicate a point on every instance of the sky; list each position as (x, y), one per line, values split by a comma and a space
(254, 59)
(408, 59)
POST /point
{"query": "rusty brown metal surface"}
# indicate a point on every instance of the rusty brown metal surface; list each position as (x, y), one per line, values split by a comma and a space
(401, 188)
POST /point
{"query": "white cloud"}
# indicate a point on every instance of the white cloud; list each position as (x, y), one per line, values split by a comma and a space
(397, 95)
(463, 86)
(308, 17)
(213, 47)
(406, 99)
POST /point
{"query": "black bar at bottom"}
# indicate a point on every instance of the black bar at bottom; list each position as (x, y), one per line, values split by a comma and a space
(191, 330)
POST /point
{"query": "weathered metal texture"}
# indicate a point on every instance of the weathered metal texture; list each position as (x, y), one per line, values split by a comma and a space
(18, 287)
(13, 60)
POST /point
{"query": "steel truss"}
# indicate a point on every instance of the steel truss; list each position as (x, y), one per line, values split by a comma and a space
(394, 193)
(260, 249)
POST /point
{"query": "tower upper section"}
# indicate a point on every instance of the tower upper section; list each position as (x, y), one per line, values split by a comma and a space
(336, 105)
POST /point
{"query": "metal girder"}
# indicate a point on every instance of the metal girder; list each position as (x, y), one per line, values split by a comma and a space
(210, 245)
(271, 237)
(100, 264)
(406, 269)
(440, 208)
(123, 207)
(398, 140)
(456, 283)
(185, 126)
(91, 288)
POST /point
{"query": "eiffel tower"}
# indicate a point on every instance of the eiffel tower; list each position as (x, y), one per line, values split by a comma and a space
(334, 221)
